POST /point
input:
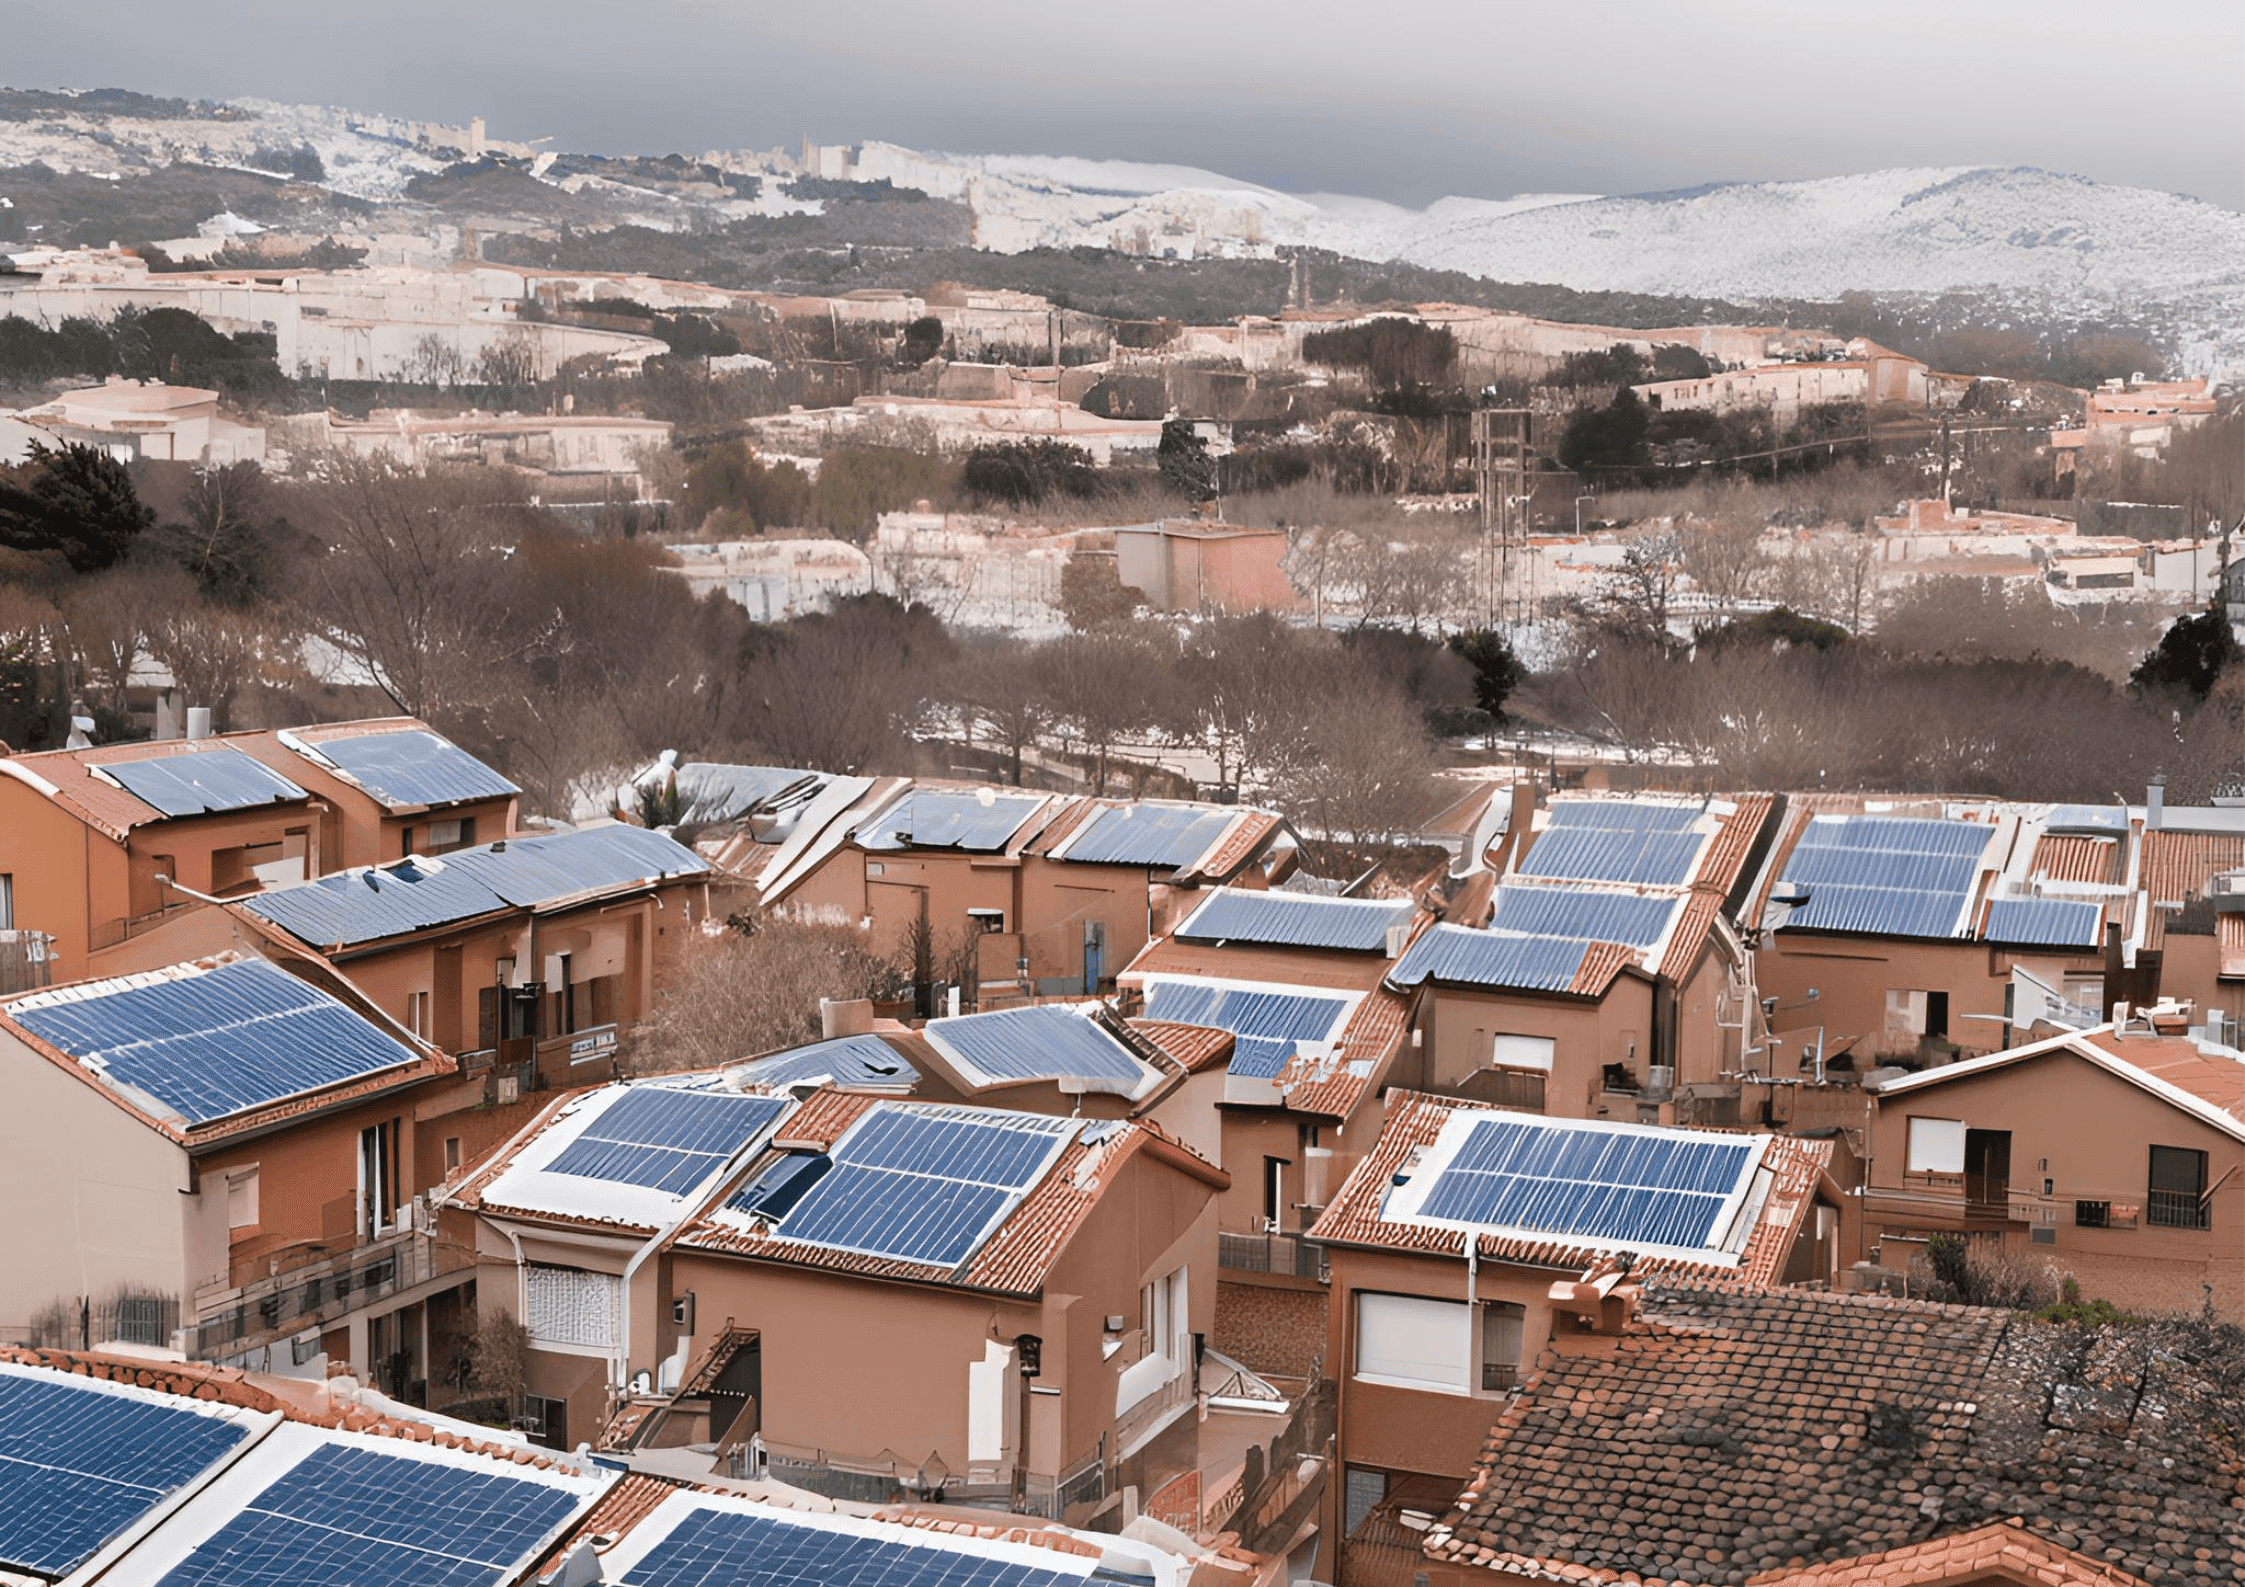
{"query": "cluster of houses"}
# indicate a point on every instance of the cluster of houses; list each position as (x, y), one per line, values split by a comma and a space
(1565, 1213)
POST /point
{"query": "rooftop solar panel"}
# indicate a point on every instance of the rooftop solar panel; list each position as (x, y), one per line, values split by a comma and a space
(205, 780)
(1616, 841)
(924, 1185)
(1293, 920)
(415, 768)
(80, 1462)
(845, 1060)
(664, 1138)
(1162, 837)
(1463, 956)
(211, 1043)
(710, 1547)
(1884, 876)
(1634, 815)
(1266, 1025)
(413, 895)
(930, 818)
(1584, 914)
(709, 791)
(1041, 1042)
(1577, 1181)
(2045, 922)
(357, 1517)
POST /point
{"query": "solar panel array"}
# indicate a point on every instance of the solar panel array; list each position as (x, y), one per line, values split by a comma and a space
(1884, 876)
(80, 1464)
(1579, 1182)
(392, 900)
(349, 1515)
(923, 1185)
(845, 1060)
(1294, 920)
(1265, 1024)
(1616, 840)
(727, 1547)
(415, 768)
(213, 1043)
(710, 791)
(218, 778)
(665, 1138)
(1584, 913)
(1161, 837)
(1461, 955)
(2045, 922)
(1040, 1042)
(931, 818)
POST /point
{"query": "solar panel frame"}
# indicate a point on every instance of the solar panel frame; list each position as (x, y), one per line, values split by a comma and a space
(665, 1138)
(1584, 914)
(1266, 1023)
(414, 767)
(201, 782)
(763, 1547)
(1040, 1042)
(1159, 837)
(849, 1060)
(213, 1043)
(1885, 875)
(1465, 956)
(2045, 922)
(932, 818)
(1295, 920)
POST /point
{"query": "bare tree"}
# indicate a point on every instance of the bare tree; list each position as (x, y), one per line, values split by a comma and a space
(1369, 772)
(1724, 557)
(1099, 688)
(1001, 687)
(739, 994)
(212, 652)
(107, 619)
(1637, 594)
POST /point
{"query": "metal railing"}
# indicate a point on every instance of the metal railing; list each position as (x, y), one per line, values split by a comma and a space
(2177, 1209)
(315, 1294)
(1270, 1252)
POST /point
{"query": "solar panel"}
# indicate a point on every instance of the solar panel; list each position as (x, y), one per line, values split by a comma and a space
(1586, 1183)
(664, 1138)
(1294, 920)
(415, 768)
(737, 1549)
(1266, 1025)
(357, 1517)
(193, 784)
(80, 1462)
(2045, 922)
(1616, 841)
(210, 1043)
(1884, 876)
(1036, 1043)
(1461, 955)
(845, 1060)
(1584, 914)
(709, 791)
(921, 1185)
(936, 819)
(1162, 837)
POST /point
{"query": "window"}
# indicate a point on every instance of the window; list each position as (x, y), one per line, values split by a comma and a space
(2178, 1189)
(1502, 1325)
(1413, 1343)
(564, 994)
(1274, 1191)
(445, 836)
(417, 1013)
(1521, 1052)
(7, 901)
(241, 1198)
(1936, 1146)
(1163, 1314)
(451, 1155)
(378, 1179)
(1364, 1492)
(986, 920)
(569, 1306)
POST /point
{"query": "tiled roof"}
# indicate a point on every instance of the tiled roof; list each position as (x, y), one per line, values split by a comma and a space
(1740, 1436)
(629, 1502)
(1195, 1047)
(2177, 866)
(1241, 845)
(2004, 1550)
(2210, 1085)
(2060, 857)
(1306, 967)
(1726, 857)
(1353, 1217)
(1332, 1087)
(102, 805)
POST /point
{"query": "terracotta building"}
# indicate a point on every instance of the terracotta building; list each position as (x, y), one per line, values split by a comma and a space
(1205, 567)
(2117, 1153)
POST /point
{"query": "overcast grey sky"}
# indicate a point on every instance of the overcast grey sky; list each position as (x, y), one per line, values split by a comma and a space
(1397, 99)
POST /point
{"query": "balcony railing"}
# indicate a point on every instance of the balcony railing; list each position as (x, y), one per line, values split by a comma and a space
(311, 1295)
(2177, 1209)
(1270, 1252)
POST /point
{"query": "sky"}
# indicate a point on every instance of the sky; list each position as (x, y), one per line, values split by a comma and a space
(1405, 100)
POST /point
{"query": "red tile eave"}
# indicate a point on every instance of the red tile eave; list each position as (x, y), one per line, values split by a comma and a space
(2177, 867)
(2062, 858)
(1999, 1548)
(1340, 972)
(1733, 844)
(1062, 827)
(1238, 846)
(634, 1497)
(1194, 1047)
(821, 1119)
(1373, 1035)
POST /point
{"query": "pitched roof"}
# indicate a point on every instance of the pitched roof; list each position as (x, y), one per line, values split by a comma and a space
(2210, 1086)
(2177, 868)
(1194, 1047)
(2005, 1550)
(80, 782)
(1734, 1436)
(401, 763)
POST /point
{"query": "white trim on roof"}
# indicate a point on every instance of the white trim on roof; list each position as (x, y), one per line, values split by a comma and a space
(2082, 1044)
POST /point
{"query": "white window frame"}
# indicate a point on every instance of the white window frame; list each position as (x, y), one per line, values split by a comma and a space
(1510, 1051)
(241, 1198)
(1415, 1342)
(1936, 1146)
(7, 900)
(556, 1301)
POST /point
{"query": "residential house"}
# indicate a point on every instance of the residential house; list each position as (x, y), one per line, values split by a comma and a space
(2142, 416)
(2117, 1153)
(230, 1155)
(901, 1298)
(1192, 566)
(1790, 1438)
(1601, 973)
(137, 420)
(1469, 1236)
(415, 791)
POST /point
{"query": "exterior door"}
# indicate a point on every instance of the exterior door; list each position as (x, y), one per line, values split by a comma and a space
(1987, 1167)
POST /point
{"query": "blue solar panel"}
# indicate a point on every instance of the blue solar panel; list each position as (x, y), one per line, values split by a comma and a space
(218, 778)
(1884, 876)
(917, 1184)
(845, 1060)
(936, 819)
(80, 1464)
(1161, 837)
(350, 1517)
(415, 768)
(710, 791)
(1265, 1025)
(2045, 922)
(1581, 1182)
(1295, 920)
(664, 1138)
(1584, 914)
(393, 900)
(1036, 1043)
(725, 1548)
(1462, 956)
(1617, 841)
(214, 1042)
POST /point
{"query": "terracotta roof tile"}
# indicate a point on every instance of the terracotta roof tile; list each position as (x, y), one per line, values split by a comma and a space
(2004, 1549)
(2177, 867)
(2060, 857)
(1193, 1047)
(1734, 842)
(1330, 1087)
(1240, 845)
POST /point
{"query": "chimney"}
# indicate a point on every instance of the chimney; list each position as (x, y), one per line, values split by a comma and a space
(845, 1017)
(198, 723)
(1522, 824)
(2155, 802)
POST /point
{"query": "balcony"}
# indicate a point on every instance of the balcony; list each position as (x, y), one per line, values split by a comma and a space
(1271, 1252)
(2177, 1209)
(315, 1292)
